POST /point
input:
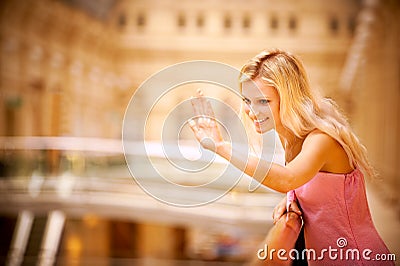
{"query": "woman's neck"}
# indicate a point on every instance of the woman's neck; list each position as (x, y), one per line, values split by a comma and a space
(287, 137)
(291, 144)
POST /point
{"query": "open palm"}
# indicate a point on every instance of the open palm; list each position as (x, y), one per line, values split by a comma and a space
(204, 124)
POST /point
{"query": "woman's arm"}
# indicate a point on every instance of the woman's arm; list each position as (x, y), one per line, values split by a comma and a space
(310, 160)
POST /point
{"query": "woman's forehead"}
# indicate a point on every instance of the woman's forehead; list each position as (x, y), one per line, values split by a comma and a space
(257, 88)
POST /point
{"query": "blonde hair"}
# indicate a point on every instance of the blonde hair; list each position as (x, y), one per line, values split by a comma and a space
(301, 109)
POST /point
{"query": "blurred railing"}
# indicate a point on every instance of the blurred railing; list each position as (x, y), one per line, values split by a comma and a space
(62, 177)
(65, 173)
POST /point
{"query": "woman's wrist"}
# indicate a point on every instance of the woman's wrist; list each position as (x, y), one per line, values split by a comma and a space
(224, 149)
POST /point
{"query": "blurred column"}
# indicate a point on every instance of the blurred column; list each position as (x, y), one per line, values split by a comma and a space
(370, 86)
(51, 238)
(20, 238)
(365, 32)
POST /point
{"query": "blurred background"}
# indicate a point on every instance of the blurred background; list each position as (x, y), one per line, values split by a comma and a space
(68, 69)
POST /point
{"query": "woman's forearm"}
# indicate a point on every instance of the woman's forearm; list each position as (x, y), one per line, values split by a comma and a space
(272, 175)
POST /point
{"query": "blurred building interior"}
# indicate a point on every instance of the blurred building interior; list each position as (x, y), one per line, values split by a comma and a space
(68, 69)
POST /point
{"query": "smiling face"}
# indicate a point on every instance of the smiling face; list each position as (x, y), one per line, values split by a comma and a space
(261, 105)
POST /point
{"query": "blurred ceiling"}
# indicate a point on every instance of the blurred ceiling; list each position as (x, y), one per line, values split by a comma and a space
(99, 9)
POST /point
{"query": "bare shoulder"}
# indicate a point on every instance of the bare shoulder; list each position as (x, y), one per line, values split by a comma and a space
(330, 150)
(320, 139)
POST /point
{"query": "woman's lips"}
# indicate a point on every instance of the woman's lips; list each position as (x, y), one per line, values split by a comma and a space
(259, 121)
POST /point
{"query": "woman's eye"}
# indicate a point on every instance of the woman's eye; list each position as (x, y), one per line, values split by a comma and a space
(264, 101)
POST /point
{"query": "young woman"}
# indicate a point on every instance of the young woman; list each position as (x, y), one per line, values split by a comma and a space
(325, 161)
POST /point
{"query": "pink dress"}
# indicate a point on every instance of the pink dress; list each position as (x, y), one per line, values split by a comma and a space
(338, 227)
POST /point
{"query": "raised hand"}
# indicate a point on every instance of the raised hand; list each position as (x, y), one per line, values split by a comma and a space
(204, 124)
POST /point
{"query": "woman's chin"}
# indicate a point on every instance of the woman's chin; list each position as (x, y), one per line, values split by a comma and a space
(260, 130)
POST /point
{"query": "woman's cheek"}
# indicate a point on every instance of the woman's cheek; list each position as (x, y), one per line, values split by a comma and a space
(267, 111)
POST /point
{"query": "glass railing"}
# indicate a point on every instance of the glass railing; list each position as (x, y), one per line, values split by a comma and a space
(68, 166)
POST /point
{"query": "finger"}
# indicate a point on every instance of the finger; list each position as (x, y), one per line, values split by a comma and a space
(213, 122)
(208, 121)
(196, 104)
(278, 213)
(201, 121)
(198, 133)
(274, 217)
(206, 104)
(193, 125)
(207, 107)
(294, 208)
(201, 100)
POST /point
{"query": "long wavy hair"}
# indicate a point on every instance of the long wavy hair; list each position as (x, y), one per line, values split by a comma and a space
(301, 109)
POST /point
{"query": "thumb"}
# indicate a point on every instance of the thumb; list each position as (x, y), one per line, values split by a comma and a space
(293, 207)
